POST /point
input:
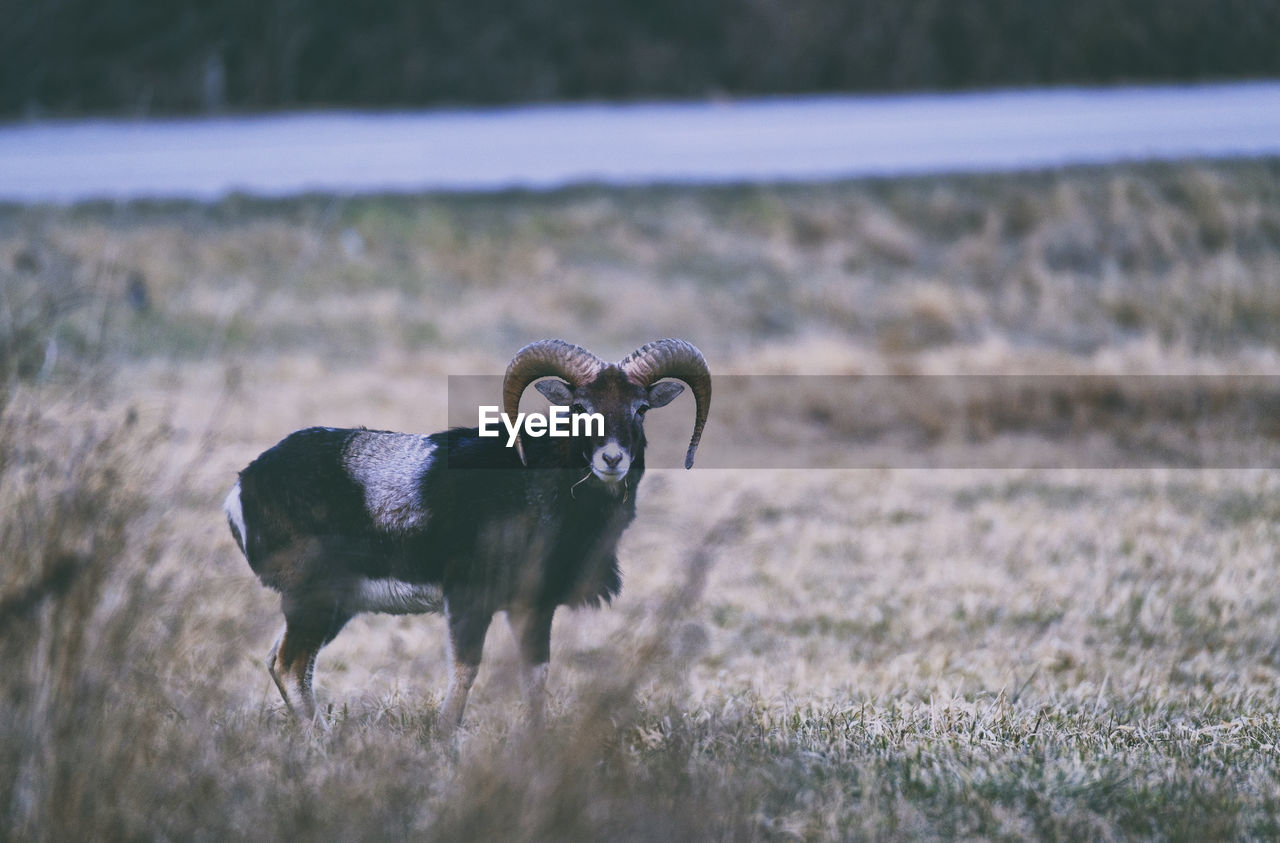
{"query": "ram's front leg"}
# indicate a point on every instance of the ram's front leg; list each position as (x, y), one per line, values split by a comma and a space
(468, 623)
(532, 630)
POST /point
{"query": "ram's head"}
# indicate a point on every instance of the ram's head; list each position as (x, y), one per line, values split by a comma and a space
(620, 392)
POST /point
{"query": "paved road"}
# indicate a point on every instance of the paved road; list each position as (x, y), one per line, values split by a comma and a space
(539, 147)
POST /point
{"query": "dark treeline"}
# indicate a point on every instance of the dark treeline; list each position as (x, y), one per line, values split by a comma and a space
(173, 56)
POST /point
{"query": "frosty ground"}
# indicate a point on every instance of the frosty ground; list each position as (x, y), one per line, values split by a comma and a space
(884, 652)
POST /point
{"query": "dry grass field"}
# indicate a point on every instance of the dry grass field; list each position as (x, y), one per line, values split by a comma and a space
(797, 654)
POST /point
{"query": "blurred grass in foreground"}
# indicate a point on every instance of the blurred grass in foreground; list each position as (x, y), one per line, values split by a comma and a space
(1057, 654)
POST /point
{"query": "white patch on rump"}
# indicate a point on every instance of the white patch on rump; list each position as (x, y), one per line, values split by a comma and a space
(396, 597)
(235, 515)
(388, 467)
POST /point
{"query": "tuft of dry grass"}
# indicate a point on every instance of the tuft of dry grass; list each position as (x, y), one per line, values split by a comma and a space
(819, 654)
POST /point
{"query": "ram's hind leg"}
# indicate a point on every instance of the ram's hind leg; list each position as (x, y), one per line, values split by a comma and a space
(292, 659)
(271, 667)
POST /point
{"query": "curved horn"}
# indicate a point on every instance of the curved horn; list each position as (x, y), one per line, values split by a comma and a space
(678, 359)
(539, 359)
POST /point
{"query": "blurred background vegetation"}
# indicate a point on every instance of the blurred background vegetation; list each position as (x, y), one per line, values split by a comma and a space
(72, 57)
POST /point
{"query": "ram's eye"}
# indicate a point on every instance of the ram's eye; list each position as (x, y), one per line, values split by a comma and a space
(642, 409)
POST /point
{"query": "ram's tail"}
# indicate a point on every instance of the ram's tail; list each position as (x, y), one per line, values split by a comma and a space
(235, 518)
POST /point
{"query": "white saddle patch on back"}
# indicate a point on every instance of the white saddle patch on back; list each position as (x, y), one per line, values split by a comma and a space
(396, 597)
(388, 467)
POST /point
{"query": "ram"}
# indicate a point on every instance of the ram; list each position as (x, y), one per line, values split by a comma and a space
(341, 522)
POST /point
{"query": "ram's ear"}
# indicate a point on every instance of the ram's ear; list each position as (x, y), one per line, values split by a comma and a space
(557, 392)
(664, 392)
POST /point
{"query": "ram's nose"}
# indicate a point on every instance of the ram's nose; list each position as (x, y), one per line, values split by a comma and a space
(611, 462)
